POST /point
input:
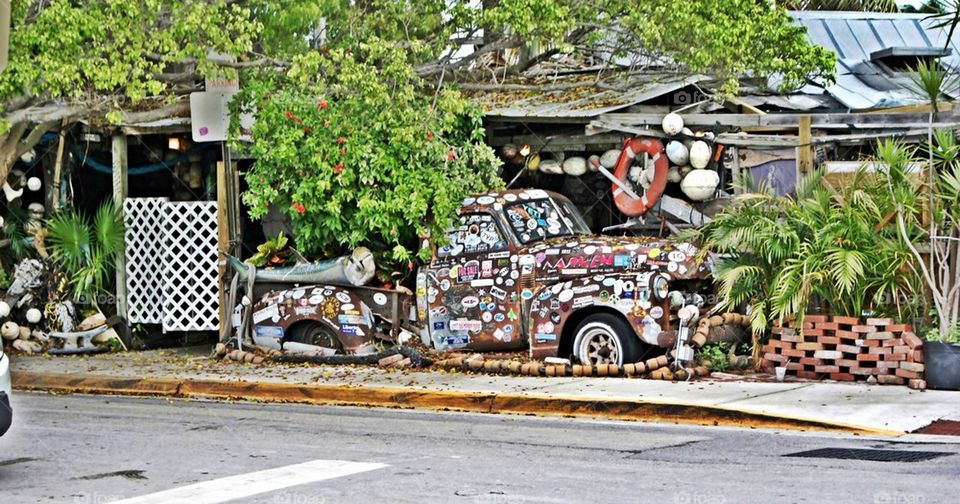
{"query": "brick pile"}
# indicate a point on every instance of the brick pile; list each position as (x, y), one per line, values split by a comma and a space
(847, 349)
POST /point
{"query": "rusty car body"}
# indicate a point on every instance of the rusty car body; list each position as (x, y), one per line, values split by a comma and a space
(519, 270)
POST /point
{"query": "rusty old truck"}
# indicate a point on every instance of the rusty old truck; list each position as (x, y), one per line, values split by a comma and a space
(519, 271)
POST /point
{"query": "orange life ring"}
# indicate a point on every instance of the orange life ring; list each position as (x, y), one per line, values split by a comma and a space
(628, 205)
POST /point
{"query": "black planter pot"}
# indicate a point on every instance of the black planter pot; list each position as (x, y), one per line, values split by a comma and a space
(941, 362)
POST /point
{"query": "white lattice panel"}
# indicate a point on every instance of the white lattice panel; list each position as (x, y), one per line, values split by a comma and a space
(143, 237)
(190, 297)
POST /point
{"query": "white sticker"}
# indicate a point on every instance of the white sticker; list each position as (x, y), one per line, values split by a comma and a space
(343, 297)
(268, 312)
(565, 295)
(466, 325)
(315, 299)
(380, 298)
(348, 306)
(486, 317)
(656, 312)
(469, 301)
(485, 282)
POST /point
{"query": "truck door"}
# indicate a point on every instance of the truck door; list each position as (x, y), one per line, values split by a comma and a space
(472, 288)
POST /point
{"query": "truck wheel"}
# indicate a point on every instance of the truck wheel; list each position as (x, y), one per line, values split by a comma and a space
(314, 333)
(605, 339)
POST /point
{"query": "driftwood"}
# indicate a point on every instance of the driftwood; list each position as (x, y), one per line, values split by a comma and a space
(728, 333)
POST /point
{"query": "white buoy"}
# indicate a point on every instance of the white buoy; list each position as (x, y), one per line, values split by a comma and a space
(672, 124)
(34, 315)
(10, 330)
(4, 309)
(700, 154)
(593, 162)
(609, 159)
(551, 166)
(673, 175)
(677, 153)
(575, 166)
(34, 184)
(700, 185)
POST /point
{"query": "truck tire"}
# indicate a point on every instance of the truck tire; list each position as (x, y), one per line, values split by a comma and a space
(311, 332)
(604, 338)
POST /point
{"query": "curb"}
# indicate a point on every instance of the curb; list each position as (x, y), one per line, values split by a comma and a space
(410, 398)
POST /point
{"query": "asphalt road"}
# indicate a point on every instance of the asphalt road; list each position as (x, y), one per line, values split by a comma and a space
(92, 449)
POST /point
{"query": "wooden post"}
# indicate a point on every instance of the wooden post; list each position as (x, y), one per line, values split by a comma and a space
(735, 168)
(804, 147)
(119, 148)
(223, 241)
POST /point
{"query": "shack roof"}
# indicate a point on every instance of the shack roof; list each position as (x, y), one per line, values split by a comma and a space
(867, 46)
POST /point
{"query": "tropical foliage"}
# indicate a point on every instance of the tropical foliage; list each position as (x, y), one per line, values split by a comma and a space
(833, 244)
(358, 152)
(86, 251)
(937, 221)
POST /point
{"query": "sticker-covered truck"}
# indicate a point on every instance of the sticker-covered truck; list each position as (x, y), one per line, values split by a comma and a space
(519, 271)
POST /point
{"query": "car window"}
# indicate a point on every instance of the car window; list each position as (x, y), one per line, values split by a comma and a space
(477, 233)
(540, 219)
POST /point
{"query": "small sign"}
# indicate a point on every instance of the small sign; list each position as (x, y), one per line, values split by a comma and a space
(210, 116)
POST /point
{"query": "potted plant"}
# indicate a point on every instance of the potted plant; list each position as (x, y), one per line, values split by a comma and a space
(941, 356)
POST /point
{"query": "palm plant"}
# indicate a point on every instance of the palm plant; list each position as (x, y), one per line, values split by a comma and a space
(86, 251)
(941, 270)
(835, 244)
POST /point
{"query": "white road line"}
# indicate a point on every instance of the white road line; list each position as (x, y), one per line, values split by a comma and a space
(245, 485)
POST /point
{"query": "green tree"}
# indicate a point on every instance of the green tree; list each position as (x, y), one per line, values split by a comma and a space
(95, 59)
(389, 70)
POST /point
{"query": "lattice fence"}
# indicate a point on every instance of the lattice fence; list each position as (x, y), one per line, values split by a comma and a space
(143, 235)
(172, 264)
(190, 297)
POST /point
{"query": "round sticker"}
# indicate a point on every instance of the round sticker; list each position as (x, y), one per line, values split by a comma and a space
(510, 197)
(656, 312)
(671, 267)
(565, 295)
(469, 302)
(486, 317)
(343, 297)
(653, 253)
(444, 285)
(485, 200)
(467, 201)
(677, 256)
(316, 299)
(297, 294)
(380, 298)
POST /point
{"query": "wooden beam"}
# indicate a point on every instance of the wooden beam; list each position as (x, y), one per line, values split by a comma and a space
(119, 152)
(791, 121)
(223, 243)
(804, 146)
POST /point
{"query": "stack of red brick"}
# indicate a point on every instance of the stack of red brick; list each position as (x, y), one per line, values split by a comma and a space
(848, 349)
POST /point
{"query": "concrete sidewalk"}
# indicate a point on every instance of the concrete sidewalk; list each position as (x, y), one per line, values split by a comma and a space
(890, 410)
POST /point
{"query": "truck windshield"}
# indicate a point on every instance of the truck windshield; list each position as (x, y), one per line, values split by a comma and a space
(540, 219)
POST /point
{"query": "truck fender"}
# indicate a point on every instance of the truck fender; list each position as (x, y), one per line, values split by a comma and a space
(556, 308)
(337, 308)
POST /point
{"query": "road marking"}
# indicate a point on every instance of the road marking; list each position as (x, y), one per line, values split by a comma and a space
(245, 485)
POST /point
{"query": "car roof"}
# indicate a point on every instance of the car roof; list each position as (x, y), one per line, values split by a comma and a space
(486, 201)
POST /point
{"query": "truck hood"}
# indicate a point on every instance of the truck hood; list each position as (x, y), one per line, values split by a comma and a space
(577, 256)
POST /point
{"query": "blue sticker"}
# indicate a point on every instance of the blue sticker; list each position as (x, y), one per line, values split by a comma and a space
(491, 306)
(508, 328)
(348, 329)
(541, 337)
(545, 295)
(455, 340)
(269, 331)
(622, 260)
(498, 317)
(439, 326)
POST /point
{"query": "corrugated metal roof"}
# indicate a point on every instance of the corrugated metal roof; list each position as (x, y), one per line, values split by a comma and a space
(585, 101)
(854, 36)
